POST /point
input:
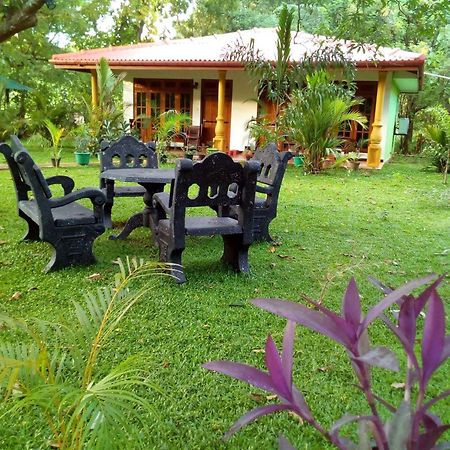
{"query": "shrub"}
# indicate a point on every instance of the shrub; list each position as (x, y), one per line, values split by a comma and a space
(56, 369)
(411, 425)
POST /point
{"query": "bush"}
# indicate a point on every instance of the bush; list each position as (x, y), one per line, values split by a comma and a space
(411, 425)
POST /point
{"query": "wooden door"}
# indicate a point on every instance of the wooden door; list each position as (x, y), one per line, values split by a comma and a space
(209, 111)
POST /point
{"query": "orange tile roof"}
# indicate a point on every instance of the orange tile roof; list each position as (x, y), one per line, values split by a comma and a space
(208, 52)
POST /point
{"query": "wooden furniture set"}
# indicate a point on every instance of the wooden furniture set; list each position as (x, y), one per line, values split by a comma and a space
(229, 188)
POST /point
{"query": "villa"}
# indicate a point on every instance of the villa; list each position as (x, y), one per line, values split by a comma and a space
(194, 76)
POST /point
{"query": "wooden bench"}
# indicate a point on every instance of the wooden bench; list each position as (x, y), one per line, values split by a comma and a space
(221, 184)
(272, 168)
(125, 153)
(62, 222)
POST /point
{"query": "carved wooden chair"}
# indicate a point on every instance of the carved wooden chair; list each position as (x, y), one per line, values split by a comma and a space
(126, 152)
(221, 184)
(69, 227)
(272, 168)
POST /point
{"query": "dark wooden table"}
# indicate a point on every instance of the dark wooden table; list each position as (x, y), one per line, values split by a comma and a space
(153, 181)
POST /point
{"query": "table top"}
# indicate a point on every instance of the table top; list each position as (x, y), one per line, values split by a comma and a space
(139, 175)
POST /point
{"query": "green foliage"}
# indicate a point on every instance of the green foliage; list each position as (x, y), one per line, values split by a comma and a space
(56, 368)
(316, 114)
(435, 123)
(167, 126)
(104, 120)
(56, 134)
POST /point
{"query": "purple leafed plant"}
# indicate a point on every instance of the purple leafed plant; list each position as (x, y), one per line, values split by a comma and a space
(411, 426)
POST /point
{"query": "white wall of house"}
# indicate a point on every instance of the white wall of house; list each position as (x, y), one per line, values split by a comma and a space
(244, 108)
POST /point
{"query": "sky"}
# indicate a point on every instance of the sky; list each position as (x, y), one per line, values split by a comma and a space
(106, 22)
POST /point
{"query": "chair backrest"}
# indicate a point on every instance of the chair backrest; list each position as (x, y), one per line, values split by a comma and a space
(128, 152)
(20, 186)
(215, 181)
(272, 168)
(33, 179)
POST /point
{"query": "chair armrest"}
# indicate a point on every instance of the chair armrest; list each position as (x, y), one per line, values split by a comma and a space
(263, 189)
(66, 182)
(162, 199)
(96, 196)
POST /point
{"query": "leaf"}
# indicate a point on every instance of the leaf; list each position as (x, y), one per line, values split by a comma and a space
(284, 444)
(433, 337)
(427, 440)
(407, 320)
(409, 350)
(253, 415)
(16, 295)
(346, 419)
(434, 400)
(94, 277)
(309, 318)
(380, 357)
(391, 298)
(351, 305)
(242, 372)
(422, 299)
(273, 364)
(399, 427)
(446, 349)
(287, 355)
(300, 403)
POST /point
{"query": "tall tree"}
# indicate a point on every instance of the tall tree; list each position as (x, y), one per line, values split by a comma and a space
(17, 15)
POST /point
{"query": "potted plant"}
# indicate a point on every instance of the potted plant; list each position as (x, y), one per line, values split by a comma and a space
(56, 134)
(299, 158)
(189, 152)
(316, 114)
(83, 143)
(353, 160)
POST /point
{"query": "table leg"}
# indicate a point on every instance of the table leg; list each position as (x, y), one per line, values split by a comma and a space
(142, 219)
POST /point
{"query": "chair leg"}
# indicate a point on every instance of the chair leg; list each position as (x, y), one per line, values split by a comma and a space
(107, 211)
(32, 234)
(72, 250)
(235, 253)
(262, 233)
(261, 229)
(173, 257)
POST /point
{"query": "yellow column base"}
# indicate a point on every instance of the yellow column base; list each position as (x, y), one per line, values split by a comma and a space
(219, 143)
(374, 155)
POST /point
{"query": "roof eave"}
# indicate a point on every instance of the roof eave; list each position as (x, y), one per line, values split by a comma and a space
(91, 65)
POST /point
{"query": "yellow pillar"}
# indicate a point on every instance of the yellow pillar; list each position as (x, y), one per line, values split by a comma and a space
(94, 88)
(219, 139)
(374, 150)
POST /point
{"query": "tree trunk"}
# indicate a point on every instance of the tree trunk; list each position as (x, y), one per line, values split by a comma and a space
(19, 19)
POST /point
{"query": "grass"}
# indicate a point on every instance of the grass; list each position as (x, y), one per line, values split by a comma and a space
(391, 224)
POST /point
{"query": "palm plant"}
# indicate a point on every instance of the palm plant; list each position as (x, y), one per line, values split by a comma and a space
(56, 134)
(107, 115)
(167, 126)
(56, 369)
(316, 114)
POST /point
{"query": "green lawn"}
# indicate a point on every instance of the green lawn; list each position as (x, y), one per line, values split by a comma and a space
(392, 224)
